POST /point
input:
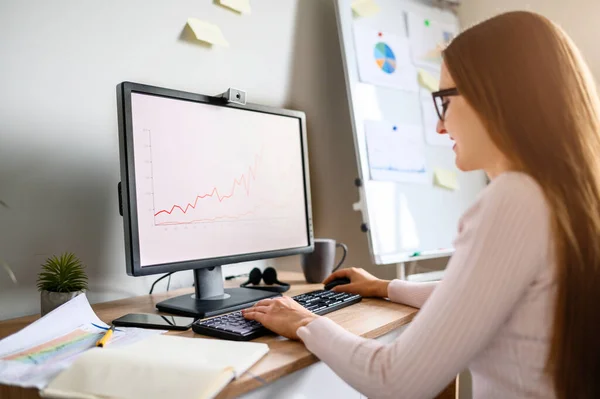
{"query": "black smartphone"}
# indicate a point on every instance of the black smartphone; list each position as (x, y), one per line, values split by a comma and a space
(149, 320)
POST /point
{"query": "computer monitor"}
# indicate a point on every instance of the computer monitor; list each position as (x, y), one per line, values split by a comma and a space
(206, 183)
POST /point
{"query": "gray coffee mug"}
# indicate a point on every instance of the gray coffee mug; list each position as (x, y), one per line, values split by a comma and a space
(317, 265)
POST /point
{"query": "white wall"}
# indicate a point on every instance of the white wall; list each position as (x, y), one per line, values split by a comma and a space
(59, 162)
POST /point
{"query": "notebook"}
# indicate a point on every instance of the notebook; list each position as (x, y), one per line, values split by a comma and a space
(162, 366)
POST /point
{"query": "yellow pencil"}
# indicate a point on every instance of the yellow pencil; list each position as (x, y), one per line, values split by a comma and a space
(104, 340)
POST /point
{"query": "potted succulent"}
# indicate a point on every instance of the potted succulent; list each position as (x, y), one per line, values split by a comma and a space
(61, 279)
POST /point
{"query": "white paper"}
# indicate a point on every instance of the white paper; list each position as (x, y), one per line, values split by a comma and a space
(211, 353)
(159, 367)
(58, 322)
(33, 356)
(428, 38)
(396, 154)
(384, 59)
(430, 120)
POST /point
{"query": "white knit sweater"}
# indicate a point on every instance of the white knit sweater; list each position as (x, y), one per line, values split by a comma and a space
(492, 312)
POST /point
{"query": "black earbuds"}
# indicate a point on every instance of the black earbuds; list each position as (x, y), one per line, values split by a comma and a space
(269, 276)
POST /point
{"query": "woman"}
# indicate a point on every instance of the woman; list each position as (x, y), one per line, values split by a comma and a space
(518, 304)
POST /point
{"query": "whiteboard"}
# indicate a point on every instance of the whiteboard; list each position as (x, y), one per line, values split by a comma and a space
(404, 220)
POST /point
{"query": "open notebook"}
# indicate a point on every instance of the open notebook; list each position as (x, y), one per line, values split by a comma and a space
(158, 367)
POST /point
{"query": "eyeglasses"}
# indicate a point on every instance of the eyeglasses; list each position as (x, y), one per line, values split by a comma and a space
(441, 105)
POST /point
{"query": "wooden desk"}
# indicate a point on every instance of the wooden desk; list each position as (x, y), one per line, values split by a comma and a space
(284, 356)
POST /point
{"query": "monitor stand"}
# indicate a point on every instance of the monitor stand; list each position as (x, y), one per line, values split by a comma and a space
(211, 298)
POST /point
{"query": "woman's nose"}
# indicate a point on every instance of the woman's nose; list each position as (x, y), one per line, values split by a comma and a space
(440, 128)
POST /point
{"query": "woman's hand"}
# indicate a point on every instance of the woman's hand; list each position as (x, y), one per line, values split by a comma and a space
(282, 315)
(361, 282)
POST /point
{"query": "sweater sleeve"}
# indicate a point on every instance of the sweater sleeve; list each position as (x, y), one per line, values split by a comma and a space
(410, 293)
(501, 245)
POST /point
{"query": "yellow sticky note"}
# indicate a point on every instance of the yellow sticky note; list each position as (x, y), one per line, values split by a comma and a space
(365, 8)
(445, 178)
(207, 32)
(428, 81)
(241, 6)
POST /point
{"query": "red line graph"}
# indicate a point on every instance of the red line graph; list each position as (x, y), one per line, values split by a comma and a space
(240, 216)
(242, 181)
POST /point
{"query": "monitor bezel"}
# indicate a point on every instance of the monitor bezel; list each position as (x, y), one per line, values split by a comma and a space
(128, 190)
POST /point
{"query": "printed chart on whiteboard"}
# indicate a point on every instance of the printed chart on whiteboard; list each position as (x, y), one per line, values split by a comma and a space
(395, 152)
(214, 181)
(384, 59)
(428, 38)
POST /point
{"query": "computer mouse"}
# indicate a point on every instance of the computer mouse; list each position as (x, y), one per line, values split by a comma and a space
(336, 282)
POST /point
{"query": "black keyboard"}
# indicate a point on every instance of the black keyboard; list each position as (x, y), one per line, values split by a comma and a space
(234, 326)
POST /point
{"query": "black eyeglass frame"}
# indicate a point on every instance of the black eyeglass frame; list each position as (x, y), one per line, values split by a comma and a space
(443, 93)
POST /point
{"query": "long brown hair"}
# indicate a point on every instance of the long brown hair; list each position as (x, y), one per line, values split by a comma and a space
(536, 97)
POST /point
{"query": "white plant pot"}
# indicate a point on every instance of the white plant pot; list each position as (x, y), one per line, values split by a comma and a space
(51, 300)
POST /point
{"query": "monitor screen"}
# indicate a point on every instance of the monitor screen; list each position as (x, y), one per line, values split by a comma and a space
(215, 181)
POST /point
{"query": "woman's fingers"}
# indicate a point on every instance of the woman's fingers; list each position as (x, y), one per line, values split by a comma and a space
(259, 309)
(337, 274)
(251, 315)
(351, 288)
(264, 302)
